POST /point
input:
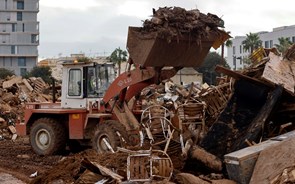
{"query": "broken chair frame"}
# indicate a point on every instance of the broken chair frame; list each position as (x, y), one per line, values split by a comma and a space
(148, 165)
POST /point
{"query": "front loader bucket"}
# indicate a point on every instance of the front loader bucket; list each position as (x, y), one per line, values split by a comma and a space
(150, 50)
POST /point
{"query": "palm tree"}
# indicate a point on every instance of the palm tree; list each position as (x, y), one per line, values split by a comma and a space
(252, 42)
(228, 43)
(118, 56)
(284, 44)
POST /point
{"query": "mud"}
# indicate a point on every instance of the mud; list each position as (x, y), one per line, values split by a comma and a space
(18, 159)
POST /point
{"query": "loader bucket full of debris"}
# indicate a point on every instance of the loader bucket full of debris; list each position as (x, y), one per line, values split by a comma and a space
(175, 37)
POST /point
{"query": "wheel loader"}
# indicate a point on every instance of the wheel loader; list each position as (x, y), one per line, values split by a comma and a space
(96, 106)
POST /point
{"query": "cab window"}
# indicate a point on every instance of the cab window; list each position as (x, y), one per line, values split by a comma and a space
(91, 82)
(74, 85)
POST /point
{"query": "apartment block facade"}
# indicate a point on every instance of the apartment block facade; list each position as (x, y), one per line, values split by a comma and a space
(19, 35)
(236, 53)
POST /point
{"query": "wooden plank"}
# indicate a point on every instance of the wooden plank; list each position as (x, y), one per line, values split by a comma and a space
(108, 172)
(238, 75)
(12, 129)
(9, 83)
(273, 160)
(25, 81)
(278, 71)
(23, 88)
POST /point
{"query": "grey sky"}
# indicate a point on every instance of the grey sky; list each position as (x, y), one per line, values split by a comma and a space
(97, 27)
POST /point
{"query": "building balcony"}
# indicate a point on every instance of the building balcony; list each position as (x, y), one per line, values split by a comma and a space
(18, 55)
(17, 10)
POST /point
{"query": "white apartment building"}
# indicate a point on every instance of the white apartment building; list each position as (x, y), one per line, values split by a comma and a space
(19, 35)
(236, 53)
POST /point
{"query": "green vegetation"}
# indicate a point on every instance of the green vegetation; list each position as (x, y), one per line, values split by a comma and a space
(252, 42)
(284, 44)
(5, 73)
(84, 59)
(208, 67)
(41, 71)
(118, 56)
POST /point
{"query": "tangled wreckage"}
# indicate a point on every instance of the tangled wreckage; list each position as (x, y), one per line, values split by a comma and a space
(236, 131)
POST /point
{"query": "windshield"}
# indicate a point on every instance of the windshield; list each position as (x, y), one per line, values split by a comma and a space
(99, 79)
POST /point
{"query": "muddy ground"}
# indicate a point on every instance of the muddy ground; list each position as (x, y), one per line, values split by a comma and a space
(18, 162)
(17, 159)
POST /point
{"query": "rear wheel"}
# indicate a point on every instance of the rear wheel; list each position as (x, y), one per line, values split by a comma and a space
(108, 136)
(47, 136)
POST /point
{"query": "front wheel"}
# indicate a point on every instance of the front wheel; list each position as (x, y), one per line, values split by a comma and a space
(47, 136)
(108, 136)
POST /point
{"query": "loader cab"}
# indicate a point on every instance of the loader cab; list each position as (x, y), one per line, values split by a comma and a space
(85, 82)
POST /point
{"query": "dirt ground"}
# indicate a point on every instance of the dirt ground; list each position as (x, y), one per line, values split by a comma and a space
(17, 159)
(18, 162)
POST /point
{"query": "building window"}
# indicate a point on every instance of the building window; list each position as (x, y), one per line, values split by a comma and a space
(293, 39)
(19, 16)
(7, 61)
(21, 61)
(13, 49)
(23, 27)
(266, 44)
(270, 44)
(234, 50)
(13, 27)
(23, 71)
(34, 38)
(240, 49)
(20, 5)
(5, 4)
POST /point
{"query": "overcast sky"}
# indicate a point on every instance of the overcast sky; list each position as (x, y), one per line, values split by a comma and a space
(97, 27)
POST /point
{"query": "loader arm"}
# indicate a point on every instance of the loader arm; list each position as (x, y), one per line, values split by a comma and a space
(163, 75)
(135, 80)
(125, 80)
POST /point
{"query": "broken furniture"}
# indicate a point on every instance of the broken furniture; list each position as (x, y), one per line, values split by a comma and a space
(157, 125)
(148, 165)
(192, 119)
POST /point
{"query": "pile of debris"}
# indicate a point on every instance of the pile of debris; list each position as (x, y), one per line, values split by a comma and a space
(250, 116)
(199, 129)
(124, 166)
(14, 92)
(174, 22)
(159, 158)
(187, 35)
(174, 119)
(260, 110)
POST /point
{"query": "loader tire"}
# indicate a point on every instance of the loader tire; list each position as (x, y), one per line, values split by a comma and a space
(47, 136)
(110, 131)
